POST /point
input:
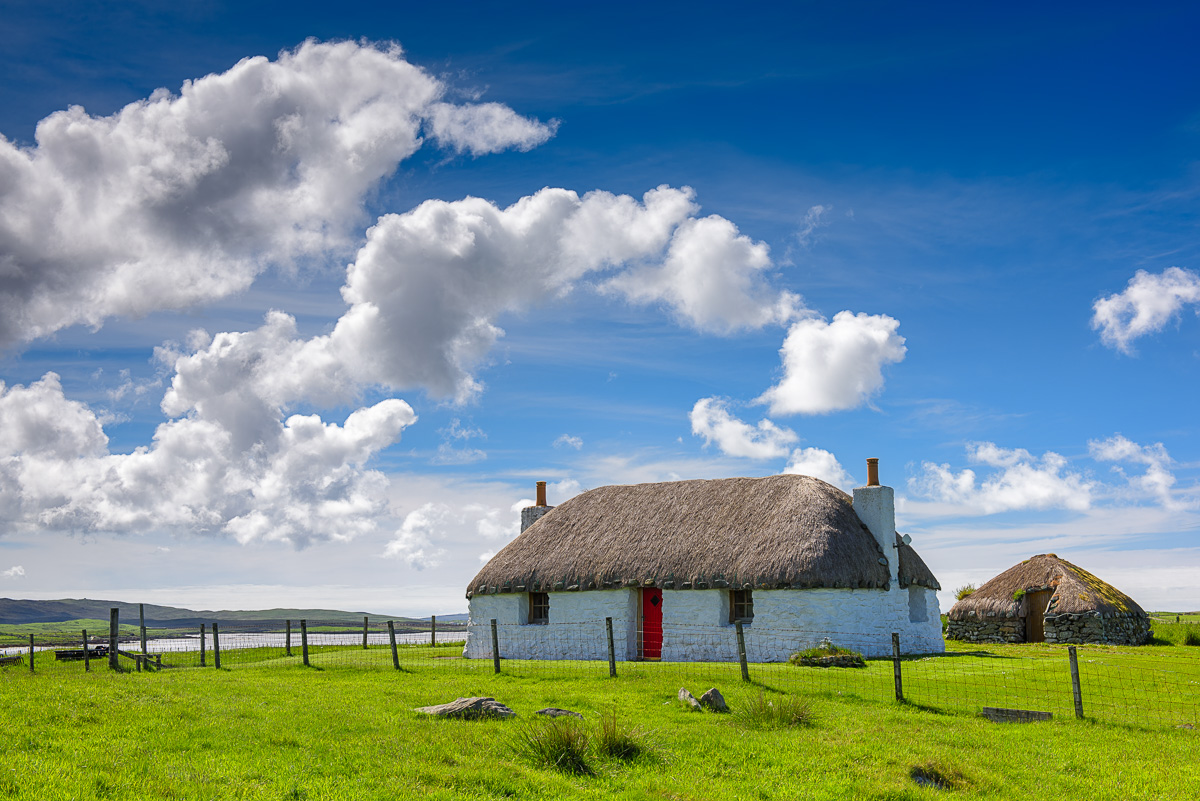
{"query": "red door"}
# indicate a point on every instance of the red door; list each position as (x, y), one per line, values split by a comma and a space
(652, 636)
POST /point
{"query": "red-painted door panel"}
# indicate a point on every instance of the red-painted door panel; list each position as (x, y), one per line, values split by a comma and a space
(652, 636)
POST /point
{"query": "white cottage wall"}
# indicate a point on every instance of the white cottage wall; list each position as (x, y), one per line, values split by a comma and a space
(575, 631)
(696, 627)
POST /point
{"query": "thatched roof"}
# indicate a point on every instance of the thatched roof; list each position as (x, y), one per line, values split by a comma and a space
(776, 532)
(1075, 591)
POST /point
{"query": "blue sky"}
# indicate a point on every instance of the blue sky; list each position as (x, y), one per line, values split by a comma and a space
(318, 321)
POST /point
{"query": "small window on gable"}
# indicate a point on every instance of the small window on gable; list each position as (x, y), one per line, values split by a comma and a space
(741, 606)
(539, 607)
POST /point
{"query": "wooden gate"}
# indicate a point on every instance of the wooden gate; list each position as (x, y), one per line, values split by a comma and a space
(650, 641)
(1036, 603)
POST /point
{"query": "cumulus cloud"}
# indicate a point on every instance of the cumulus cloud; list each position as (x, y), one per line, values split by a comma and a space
(820, 464)
(180, 199)
(712, 420)
(1145, 307)
(16, 571)
(413, 542)
(1155, 482)
(712, 277)
(254, 477)
(829, 366)
(1019, 480)
(429, 285)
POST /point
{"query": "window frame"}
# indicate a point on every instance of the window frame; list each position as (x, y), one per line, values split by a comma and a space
(741, 601)
(539, 602)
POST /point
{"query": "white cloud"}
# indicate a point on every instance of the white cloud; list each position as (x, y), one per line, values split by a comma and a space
(568, 441)
(414, 540)
(1148, 303)
(223, 464)
(1156, 482)
(427, 288)
(1020, 481)
(16, 571)
(180, 199)
(711, 420)
(828, 366)
(712, 277)
(820, 464)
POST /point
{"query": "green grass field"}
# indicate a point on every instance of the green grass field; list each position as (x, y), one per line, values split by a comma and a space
(344, 729)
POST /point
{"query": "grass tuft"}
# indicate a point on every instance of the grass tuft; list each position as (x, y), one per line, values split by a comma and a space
(1191, 638)
(964, 591)
(616, 741)
(780, 713)
(558, 743)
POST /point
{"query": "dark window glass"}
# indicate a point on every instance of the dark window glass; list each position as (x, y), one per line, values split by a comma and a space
(539, 607)
(741, 606)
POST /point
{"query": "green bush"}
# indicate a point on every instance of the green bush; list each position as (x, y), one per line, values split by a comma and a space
(780, 713)
(1018, 595)
(1191, 638)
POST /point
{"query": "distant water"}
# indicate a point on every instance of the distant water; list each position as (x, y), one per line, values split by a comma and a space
(236, 640)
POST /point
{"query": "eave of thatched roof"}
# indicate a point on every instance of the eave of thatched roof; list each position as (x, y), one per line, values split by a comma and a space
(1076, 591)
(776, 532)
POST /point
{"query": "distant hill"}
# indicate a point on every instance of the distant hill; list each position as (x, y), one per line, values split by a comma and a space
(26, 611)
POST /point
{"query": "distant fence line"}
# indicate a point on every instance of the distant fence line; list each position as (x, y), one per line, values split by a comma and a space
(1127, 685)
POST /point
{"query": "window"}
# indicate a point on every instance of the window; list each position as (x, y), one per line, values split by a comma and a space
(741, 606)
(539, 607)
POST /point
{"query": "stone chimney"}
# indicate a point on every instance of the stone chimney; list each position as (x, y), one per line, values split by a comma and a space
(530, 514)
(876, 507)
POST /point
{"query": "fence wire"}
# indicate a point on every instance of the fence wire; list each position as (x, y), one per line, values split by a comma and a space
(1147, 686)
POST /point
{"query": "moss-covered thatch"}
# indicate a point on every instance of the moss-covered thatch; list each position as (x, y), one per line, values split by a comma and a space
(767, 533)
(1076, 591)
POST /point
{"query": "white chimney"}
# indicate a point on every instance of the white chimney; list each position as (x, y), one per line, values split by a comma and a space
(876, 507)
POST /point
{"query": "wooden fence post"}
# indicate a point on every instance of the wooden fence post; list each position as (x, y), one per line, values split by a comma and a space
(31, 653)
(392, 641)
(495, 647)
(612, 653)
(304, 640)
(741, 643)
(216, 646)
(87, 655)
(364, 633)
(114, 624)
(202, 648)
(288, 639)
(432, 631)
(1075, 688)
(896, 666)
(142, 629)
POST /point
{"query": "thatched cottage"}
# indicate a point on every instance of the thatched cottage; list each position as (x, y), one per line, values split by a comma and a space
(677, 564)
(1047, 599)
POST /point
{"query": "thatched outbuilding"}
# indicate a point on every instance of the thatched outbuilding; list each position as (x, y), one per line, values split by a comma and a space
(1048, 599)
(677, 564)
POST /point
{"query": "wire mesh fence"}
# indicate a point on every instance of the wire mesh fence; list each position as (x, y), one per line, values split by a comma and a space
(1149, 686)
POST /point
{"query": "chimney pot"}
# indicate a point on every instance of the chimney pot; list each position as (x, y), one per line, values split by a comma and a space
(541, 493)
(872, 472)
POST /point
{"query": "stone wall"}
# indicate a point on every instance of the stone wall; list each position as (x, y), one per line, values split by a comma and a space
(987, 629)
(1093, 628)
(1088, 627)
(696, 627)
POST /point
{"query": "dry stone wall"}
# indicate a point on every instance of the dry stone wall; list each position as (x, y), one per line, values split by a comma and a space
(1094, 628)
(987, 629)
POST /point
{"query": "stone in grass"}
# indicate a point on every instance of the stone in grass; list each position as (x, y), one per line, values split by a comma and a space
(689, 700)
(714, 700)
(468, 709)
(555, 712)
